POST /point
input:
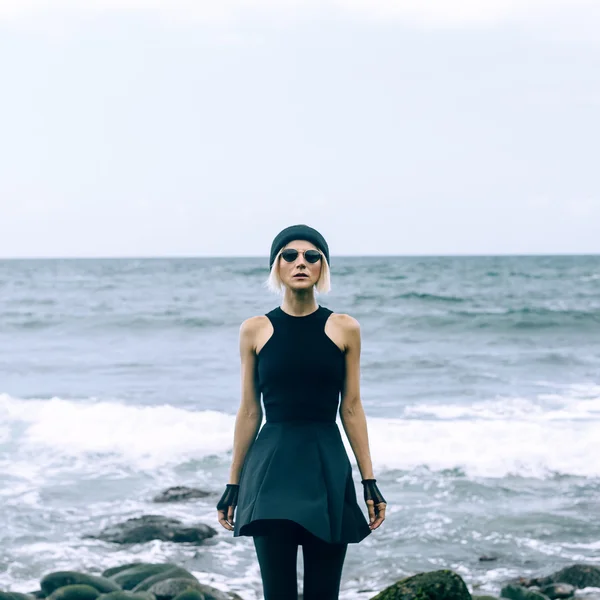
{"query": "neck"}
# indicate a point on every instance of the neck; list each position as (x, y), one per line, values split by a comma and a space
(301, 302)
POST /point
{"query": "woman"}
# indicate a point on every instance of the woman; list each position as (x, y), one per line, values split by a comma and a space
(292, 485)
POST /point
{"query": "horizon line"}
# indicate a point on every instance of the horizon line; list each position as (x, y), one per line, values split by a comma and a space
(261, 256)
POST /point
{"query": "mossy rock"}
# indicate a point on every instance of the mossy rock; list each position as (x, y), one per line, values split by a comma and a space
(475, 597)
(114, 570)
(167, 589)
(174, 572)
(58, 579)
(518, 592)
(16, 596)
(212, 593)
(190, 595)
(127, 595)
(579, 576)
(130, 578)
(433, 585)
(559, 591)
(77, 591)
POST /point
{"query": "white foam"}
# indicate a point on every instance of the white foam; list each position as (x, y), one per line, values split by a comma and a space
(85, 431)
(538, 438)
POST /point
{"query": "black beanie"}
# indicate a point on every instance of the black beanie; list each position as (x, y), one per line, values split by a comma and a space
(298, 232)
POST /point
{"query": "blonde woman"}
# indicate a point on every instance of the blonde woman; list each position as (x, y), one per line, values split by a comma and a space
(292, 484)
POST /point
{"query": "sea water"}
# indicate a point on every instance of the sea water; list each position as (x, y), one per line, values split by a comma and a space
(480, 379)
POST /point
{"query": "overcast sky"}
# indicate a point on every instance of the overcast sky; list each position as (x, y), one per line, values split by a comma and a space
(193, 128)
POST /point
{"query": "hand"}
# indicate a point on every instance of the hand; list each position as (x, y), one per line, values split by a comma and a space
(226, 506)
(226, 519)
(376, 513)
(376, 503)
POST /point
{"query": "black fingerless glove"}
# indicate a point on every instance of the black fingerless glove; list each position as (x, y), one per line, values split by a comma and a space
(229, 497)
(372, 491)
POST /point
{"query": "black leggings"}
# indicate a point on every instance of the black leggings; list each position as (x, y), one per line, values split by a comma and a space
(277, 552)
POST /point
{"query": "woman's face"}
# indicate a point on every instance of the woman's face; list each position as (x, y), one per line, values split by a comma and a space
(290, 272)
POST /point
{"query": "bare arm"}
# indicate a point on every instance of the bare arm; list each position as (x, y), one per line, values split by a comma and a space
(352, 413)
(249, 415)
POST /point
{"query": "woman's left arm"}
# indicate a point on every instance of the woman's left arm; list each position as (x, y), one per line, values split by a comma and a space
(352, 413)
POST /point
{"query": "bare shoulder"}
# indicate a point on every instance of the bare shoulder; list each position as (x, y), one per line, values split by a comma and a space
(252, 329)
(345, 330)
(345, 322)
(253, 323)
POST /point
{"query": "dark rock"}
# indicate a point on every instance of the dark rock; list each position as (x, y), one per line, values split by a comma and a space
(167, 589)
(487, 558)
(434, 585)
(580, 576)
(58, 579)
(16, 596)
(190, 595)
(518, 592)
(127, 595)
(154, 527)
(524, 581)
(114, 570)
(179, 493)
(211, 593)
(37, 594)
(77, 591)
(558, 590)
(129, 578)
(173, 572)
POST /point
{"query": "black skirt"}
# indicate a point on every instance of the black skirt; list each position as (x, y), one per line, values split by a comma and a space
(300, 471)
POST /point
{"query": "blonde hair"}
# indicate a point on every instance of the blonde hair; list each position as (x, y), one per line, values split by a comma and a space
(323, 285)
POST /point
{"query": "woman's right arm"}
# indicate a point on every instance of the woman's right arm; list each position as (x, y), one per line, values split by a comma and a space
(249, 415)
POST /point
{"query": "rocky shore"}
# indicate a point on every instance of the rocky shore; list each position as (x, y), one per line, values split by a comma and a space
(166, 581)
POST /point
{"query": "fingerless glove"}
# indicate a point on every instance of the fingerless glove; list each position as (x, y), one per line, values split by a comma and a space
(372, 491)
(229, 497)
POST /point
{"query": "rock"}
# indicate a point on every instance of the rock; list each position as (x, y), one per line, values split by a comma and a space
(154, 527)
(211, 593)
(16, 596)
(173, 572)
(130, 577)
(519, 592)
(114, 570)
(179, 493)
(475, 597)
(167, 589)
(524, 581)
(127, 595)
(77, 591)
(190, 595)
(579, 576)
(487, 558)
(58, 579)
(558, 590)
(433, 585)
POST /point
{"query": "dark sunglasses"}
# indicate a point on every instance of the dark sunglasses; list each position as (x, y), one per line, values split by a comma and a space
(291, 254)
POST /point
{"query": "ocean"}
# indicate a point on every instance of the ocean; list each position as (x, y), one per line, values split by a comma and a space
(480, 379)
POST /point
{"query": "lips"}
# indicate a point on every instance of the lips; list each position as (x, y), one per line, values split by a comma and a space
(300, 275)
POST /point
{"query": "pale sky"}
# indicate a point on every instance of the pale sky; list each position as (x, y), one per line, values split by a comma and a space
(194, 128)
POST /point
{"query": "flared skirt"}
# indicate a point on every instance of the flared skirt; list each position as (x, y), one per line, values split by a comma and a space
(300, 471)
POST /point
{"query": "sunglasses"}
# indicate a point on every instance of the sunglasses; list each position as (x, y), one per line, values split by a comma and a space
(291, 254)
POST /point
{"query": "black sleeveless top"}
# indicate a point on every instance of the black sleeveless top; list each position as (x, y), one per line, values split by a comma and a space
(300, 368)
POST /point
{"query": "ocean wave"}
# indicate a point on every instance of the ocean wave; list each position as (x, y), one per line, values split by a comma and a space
(541, 437)
(85, 322)
(428, 297)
